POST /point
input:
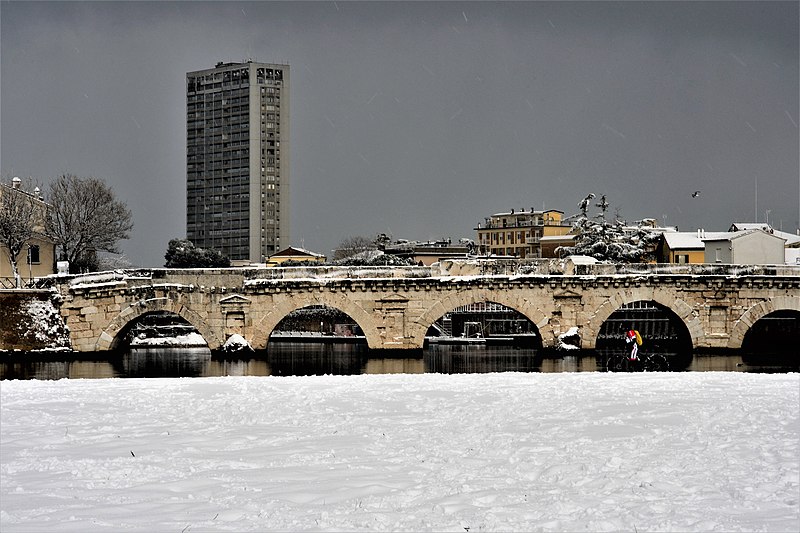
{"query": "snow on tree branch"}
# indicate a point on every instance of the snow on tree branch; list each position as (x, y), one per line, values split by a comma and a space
(610, 241)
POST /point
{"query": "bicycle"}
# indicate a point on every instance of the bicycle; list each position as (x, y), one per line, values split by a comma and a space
(647, 362)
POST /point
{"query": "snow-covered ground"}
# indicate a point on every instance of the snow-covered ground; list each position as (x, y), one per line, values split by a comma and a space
(707, 451)
(189, 339)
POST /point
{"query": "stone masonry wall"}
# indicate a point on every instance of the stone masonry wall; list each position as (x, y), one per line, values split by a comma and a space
(30, 320)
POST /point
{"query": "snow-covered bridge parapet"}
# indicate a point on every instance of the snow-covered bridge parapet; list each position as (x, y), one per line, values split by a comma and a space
(395, 306)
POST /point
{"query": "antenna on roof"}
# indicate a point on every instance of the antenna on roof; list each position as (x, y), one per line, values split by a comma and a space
(756, 200)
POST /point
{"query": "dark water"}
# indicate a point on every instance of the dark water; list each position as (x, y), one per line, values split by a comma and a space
(286, 359)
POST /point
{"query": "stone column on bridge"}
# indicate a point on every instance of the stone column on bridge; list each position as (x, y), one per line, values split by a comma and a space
(392, 329)
(235, 316)
(567, 313)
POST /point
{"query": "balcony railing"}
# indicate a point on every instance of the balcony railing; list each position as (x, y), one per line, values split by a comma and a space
(525, 224)
(27, 283)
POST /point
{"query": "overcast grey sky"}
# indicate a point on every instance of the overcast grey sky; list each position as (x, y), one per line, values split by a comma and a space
(420, 119)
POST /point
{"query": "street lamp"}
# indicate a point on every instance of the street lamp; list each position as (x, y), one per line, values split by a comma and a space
(30, 266)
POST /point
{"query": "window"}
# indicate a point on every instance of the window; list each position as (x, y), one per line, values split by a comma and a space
(33, 255)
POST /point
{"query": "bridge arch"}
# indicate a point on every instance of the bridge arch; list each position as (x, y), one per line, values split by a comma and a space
(756, 312)
(511, 299)
(284, 304)
(623, 297)
(108, 338)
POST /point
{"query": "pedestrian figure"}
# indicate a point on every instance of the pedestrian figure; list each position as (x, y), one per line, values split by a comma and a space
(633, 340)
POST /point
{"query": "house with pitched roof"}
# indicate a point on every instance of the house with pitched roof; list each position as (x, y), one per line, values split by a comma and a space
(294, 254)
(747, 247)
(791, 247)
(681, 247)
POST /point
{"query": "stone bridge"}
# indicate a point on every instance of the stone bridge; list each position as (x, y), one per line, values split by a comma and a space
(395, 306)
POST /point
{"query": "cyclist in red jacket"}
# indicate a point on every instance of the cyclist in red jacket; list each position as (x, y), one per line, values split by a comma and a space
(632, 339)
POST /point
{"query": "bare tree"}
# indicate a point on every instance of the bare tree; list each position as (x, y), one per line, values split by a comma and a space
(113, 262)
(85, 219)
(21, 214)
(351, 246)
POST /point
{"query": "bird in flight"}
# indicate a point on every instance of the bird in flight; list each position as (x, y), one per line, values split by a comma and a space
(695, 194)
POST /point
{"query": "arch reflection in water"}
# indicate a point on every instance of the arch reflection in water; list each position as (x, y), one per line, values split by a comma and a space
(461, 359)
(238, 367)
(306, 359)
(394, 366)
(315, 359)
(165, 362)
(55, 366)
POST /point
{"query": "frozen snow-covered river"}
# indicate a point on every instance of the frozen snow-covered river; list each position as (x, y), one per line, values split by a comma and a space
(589, 451)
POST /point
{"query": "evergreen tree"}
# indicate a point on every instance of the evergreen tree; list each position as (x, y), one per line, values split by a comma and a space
(609, 241)
(182, 253)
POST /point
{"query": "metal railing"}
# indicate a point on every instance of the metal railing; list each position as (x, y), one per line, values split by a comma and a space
(27, 283)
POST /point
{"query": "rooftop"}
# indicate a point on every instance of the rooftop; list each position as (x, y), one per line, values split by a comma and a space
(523, 212)
(731, 235)
(295, 251)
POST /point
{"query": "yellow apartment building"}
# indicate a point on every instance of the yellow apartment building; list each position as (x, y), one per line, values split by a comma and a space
(519, 233)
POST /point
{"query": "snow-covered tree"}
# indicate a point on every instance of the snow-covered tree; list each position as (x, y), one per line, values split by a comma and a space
(611, 241)
(373, 258)
(183, 253)
(353, 245)
(363, 251)
(113, 262)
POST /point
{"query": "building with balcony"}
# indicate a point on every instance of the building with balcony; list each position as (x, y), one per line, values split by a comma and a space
(519, 233)
(237, 159)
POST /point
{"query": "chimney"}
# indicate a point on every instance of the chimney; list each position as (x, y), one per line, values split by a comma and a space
(16, 182)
